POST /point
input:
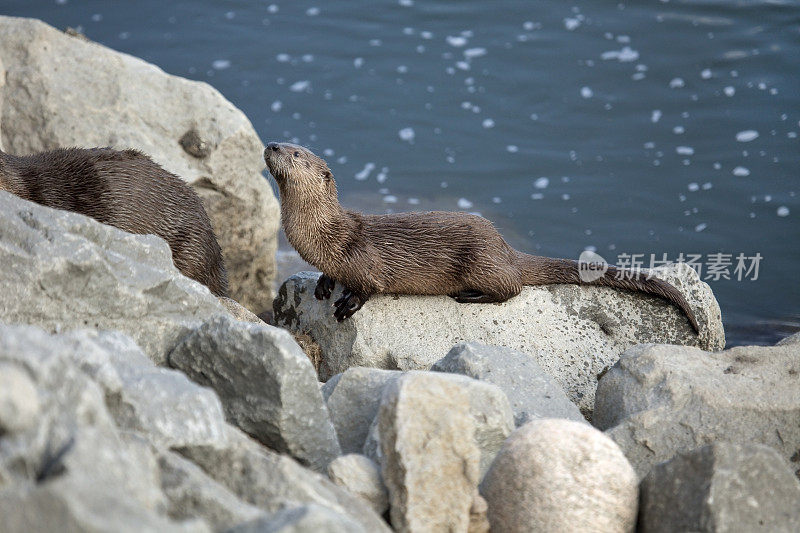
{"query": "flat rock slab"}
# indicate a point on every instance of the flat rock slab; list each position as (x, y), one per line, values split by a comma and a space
(660, 400)
(106, 98)
(574, 332)
(65, 271)
(721, 487)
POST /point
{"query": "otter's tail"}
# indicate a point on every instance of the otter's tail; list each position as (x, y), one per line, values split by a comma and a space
(538, 270)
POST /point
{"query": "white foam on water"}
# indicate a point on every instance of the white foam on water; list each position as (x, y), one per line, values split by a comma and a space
(586, 92)
(456, 41)
(693, 187)
(655, 116)
(300, 86)
(463, 203)
(407, 134)
(365, 172)
(276, 106)
(541, 183)
(741, 171)
(782, 211)
(487, 123)
(700, 227)
(676, 83)
(746, 136)
(221, 64)
(684, 150)
(512, 148)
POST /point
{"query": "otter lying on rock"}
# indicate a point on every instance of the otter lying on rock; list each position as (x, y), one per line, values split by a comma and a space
(125, 189)
(434, 253)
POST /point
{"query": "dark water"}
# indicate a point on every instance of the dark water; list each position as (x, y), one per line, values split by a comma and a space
(627, 128)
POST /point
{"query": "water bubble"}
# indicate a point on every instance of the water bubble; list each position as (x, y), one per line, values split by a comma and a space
(586, 92)
(746, 136)
(221, 64)
(741, 171)
(463, 203)
(407, 134)
(783, 211)
(541, 183)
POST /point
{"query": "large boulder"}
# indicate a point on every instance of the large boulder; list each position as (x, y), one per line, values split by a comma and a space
(73, 469)
(531, 392)
(113, 443)
(560, 475)
(659, 400)
(266, 383)
(429, 458)
(66, 271)
(721, 487)
(573, 332)
(62, 91)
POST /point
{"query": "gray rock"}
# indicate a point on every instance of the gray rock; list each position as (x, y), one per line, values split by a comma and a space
(273, 482)
(531, 392)
(791, 339)
(356, 398)
(19, 400)
(238, 311)
(266, 383)
(362, 477)
(71, 272)
(160, 403)
(560, 475)
(107, 98)
(575, 333)
(429, 458)
(721, 487)
(74, 470)
(353, 399)
(310, 518)
(192, 493)
(659, 400)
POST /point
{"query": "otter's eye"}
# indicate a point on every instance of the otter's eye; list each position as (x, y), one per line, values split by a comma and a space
(297, 154)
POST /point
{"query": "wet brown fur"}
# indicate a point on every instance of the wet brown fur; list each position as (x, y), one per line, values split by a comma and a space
(125, 189)
(435, 253)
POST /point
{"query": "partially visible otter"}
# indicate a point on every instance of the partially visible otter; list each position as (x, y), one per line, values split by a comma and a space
(125, 189)
(455, 254)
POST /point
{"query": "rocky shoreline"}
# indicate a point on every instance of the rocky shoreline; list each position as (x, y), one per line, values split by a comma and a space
(131, 399)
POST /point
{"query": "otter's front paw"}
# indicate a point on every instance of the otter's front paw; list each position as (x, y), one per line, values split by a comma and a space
(324, 287)
(348, 304)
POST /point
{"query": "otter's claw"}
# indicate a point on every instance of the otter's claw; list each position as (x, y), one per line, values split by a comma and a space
(348, 304)
(324, 287)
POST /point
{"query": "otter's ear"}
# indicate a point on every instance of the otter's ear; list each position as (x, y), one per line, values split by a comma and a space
(327, 176)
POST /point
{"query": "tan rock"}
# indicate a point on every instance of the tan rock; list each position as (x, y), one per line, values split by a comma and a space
(559, 475)
(429, 457)
(61, 91)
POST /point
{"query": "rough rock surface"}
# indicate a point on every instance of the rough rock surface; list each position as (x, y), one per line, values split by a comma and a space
(309, 518)
(75, 469)
(274, 482)
(66, 271)
(531, 392)
(191, 493)
(560, 475)
(721, 487)
(61, 91)
(791, 339)
(266, 383)
(353, 399)
(362, 477)
(429, 458)
(102, 453)
(574, 333)
(659, 400)
(238, 311)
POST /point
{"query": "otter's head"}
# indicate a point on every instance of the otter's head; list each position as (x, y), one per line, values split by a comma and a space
(292, 165)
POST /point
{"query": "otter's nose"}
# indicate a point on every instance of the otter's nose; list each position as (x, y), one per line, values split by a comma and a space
(273, 146)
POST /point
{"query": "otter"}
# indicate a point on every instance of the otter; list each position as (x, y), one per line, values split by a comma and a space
(125, 189)
(434, 253)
